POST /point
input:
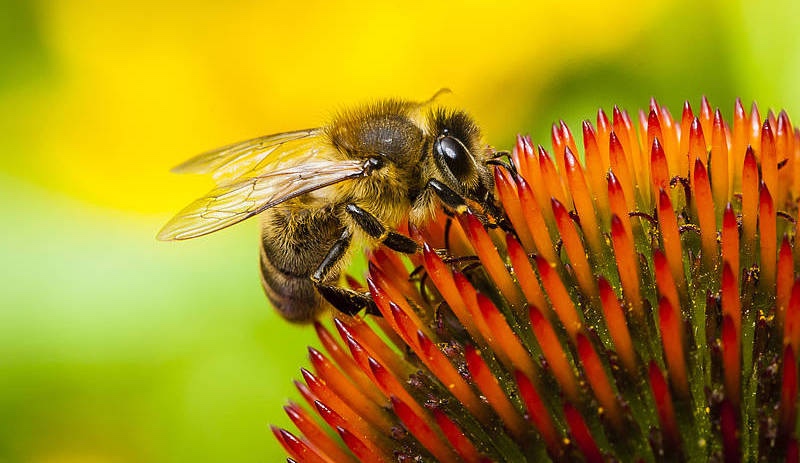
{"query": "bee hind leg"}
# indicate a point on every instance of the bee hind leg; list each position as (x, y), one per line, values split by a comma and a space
(374, 228)
(344, 300)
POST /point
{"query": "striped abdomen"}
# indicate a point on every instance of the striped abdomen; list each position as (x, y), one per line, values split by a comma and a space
(294, 241)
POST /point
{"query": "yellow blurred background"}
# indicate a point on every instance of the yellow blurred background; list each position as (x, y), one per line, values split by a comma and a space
(118, 348)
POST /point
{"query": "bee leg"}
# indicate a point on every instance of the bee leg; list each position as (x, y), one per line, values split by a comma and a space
(456, 202)
(449, 197)
(374, 228)
(345, 300)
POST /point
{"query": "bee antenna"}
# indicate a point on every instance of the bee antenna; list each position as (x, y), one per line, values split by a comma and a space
(436, 95)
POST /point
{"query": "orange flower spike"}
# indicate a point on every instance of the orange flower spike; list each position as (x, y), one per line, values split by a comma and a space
(348, 365)
(582, 435)
(731, 359)
(785, 279)
(719, 160)
(582, 200)
(506, 187)
(343, 413)
(705, 214)
(596, 169)
(537, 412)
(654, 132)
(368, 340)
(739, 141)
(622, 128)
(361, 357)
(438, 363)
(664, 407)
(659, 169)
(470, 297)
(686, 126)
(537, 222)
(621, 168)
(392, 386)
(442, 277)
(617, 203)
(458, 440)
(670, 141)
(559, 297)
(664, 280)
(491, 260)
(598, 380)
(672, 338)
(554, 353)
(378, 281)
(731, 300)
(788, 407)
(552, 181)
(559, 144)
(668, 223)
(773, 121)
(309, 428)
(524, 272)
(603, 132)
(627, 264)
(768, 237)
(706, 116)
(617, 325)
(643, 133)
(488, 385)
(407, 328)
(566, 136)
(791, 325)
(348, 392)
(627, 136)
(424, 432)
(363, 453)
(730, 239)
(394, 269)
(784, 146)
(750, 200)
(297, 448)
(533, 176)
(575, 250)
(755, 127)
(697, 144)
(729, 428)
(518, 156)
(769, 159)
(507, 346)
(381, 298)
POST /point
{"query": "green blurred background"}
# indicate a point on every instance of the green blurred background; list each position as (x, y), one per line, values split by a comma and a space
(118, 348)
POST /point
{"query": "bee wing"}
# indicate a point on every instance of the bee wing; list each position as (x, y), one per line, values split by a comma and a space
(239, 159)
(243, 198)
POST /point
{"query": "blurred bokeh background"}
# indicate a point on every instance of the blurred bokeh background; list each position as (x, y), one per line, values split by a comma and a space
(117, 348)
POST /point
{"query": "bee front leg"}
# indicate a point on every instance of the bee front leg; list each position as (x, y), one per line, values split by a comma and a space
(449, 197)
(374, 228)
(344, 300)
(458, 204)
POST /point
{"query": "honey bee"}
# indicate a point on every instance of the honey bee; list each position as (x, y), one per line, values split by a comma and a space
(319, 191)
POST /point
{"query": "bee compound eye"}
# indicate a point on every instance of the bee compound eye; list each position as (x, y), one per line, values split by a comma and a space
(454, 155)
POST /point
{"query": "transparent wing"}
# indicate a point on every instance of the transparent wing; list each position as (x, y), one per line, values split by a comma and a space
(239, 159)
(231, 203)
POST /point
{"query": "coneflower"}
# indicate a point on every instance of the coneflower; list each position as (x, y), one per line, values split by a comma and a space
(644, 305)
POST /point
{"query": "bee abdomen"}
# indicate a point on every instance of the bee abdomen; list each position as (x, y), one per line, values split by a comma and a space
(294, 242)
(293, 295)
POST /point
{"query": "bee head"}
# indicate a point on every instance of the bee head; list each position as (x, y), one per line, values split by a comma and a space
(456, 150)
